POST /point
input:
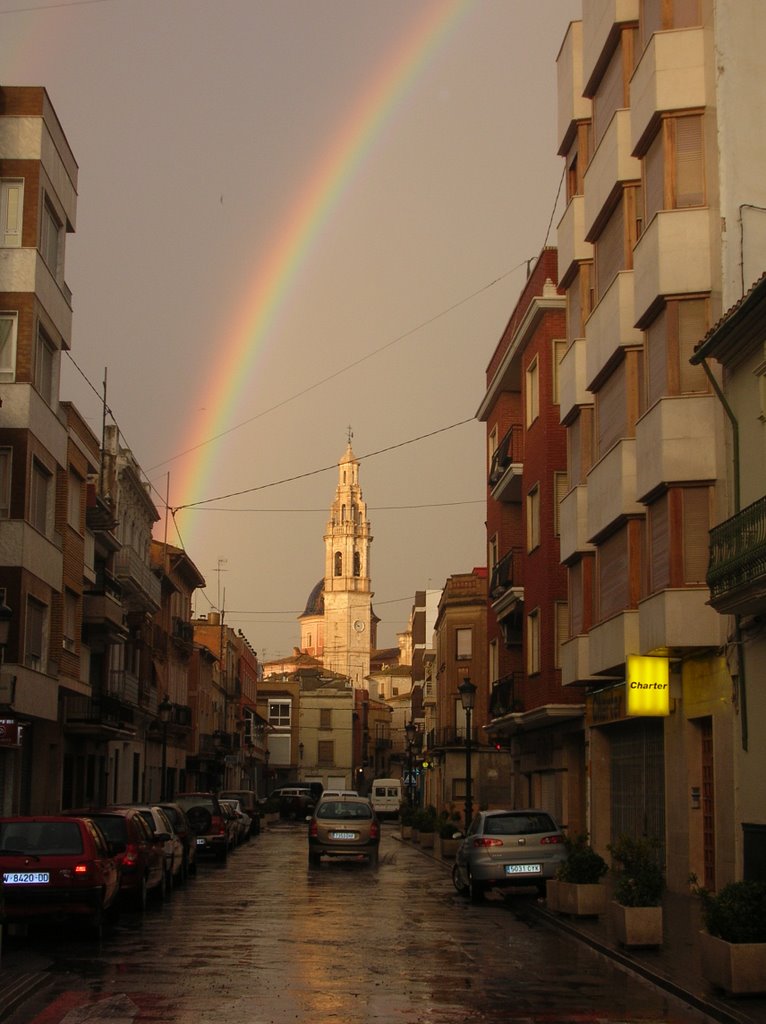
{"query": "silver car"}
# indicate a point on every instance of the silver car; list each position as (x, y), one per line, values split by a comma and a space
(508, 848)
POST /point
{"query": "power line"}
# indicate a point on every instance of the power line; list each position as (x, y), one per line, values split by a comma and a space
(344, 369)
(324, 469)
(370, 508)
(52, 6)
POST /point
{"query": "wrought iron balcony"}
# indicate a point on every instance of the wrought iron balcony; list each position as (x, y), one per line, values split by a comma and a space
(503, 700)
(736, 572)
(504, 475)
(101, 712)
(507, 574)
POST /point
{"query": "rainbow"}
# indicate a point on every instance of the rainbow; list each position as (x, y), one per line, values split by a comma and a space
(297, 235)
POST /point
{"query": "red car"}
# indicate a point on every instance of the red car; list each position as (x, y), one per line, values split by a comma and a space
(55, 867)
(140, 856)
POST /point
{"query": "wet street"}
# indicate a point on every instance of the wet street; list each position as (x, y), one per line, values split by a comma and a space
(266, 940)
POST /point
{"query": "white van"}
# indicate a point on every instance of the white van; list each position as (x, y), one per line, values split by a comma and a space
(386, 796)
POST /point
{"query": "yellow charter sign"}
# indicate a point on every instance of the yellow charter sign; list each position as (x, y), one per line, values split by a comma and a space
(647, 686)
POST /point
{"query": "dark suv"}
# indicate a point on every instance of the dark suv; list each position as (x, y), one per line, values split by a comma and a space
(206, 818)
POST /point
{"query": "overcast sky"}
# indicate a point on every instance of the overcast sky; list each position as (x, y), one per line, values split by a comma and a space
(297, 216)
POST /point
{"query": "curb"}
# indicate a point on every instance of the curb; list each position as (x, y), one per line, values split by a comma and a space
(714, 1011)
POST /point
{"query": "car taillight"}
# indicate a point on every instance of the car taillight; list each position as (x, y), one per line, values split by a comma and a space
(313, 829)
(547, 840)
(131, 855)
(484, 841)
(217, 825)
(82, 870)
(374, 830)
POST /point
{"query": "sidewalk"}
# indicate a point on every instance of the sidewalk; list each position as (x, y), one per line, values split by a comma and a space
(674, 967)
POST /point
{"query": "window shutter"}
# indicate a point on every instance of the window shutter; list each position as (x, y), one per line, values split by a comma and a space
(613, 574)
(576, 618)
(610, 250)
(657, 359)
(696, 526)
(692, 327)
(690, 166)
(654, 176)
(659, 544)
(611, 411)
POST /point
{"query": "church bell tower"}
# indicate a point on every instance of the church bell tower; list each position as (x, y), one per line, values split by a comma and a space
(348, 618)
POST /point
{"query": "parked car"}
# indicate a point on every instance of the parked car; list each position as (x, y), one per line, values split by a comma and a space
(139, 854)
(344, 826)
(55, 866)
(295, 802)
(182, 828)
(231, 822)
(327, 793)
(243, 821)
(205, 816)
(163, 831)
(508, 848)
(249, 803)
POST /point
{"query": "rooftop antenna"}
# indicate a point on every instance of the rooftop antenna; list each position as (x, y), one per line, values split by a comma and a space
(219, 570)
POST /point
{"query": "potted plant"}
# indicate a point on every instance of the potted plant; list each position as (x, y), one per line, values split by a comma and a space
(733, 945)
(406, 814)
(424, 823)
(578, 888)
(637, 904)
(448, 829)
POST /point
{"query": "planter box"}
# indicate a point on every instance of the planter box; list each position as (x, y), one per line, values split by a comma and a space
(406, 831)
(426, 840)
(581, 899)
(736, 967)
(449, 847)
(637, 926)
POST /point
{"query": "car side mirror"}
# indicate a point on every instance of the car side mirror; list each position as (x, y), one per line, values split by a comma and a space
(161, 837)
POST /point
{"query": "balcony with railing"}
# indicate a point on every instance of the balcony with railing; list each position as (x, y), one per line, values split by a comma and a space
(97, 714)
(507, 464)
(137, 577)
(503, 700)
(736, 572)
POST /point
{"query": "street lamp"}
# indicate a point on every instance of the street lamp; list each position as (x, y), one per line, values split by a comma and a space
(164, 710)
(410, 730)
(467, 693)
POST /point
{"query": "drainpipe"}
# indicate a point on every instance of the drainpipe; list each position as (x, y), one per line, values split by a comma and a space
(742, 687)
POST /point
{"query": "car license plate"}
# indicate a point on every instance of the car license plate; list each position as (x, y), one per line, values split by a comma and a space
(200, 842)
(523, 869)
(342, 835)
(26, 877)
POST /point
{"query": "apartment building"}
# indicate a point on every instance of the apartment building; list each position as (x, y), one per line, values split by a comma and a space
(536, 721)
(655, 105)
(38, 202)
(737, 568)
